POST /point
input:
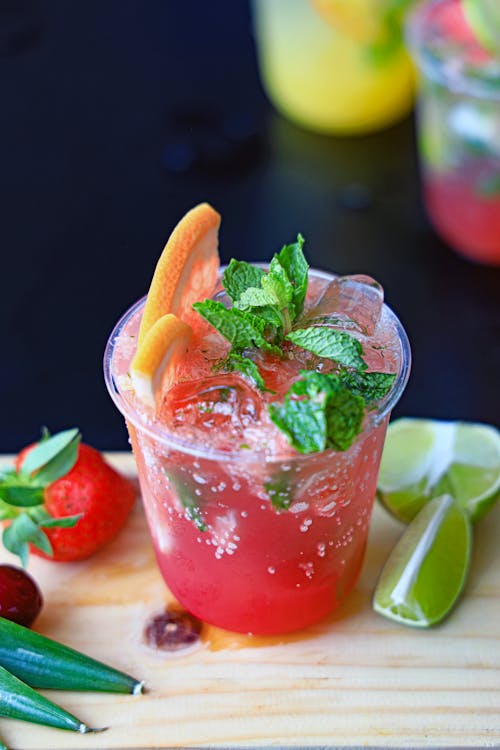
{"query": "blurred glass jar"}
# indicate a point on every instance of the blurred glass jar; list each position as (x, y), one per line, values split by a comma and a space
(335, 66)
(458, 117)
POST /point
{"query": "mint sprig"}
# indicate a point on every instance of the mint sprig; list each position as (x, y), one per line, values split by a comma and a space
(331, 344)
(265, 307)
(247, 367)
(319, 412)
(242, 329)
(372, 386)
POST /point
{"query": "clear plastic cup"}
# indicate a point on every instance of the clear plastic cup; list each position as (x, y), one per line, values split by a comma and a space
(246, 541)
(335, 66)
(458, 118)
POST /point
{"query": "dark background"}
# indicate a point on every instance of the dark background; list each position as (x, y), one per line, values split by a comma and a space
(115, 118)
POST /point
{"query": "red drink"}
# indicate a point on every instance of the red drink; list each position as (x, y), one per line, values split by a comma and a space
(459, 129)
(249, 534)
(458, 193)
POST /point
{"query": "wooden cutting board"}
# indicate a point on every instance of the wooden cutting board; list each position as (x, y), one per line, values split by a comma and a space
(354, 680)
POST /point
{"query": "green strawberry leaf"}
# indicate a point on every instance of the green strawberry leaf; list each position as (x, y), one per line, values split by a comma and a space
(330, 344)
(240, 276)
(42, 518)
(20, 533)
(61, 464)
(292, 259)
(48, 450)
(19, 491)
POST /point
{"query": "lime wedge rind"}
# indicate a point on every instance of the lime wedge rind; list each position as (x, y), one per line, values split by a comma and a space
(426, 572)
(426, 458)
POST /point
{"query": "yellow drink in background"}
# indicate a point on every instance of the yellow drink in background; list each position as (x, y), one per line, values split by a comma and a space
(335, 66)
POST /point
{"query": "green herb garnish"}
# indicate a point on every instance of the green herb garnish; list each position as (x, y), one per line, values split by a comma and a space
(265, 307)
(182, 485)
(320, 410)
(280, 489)
(331, 344)
(372, 386)
(247, 367)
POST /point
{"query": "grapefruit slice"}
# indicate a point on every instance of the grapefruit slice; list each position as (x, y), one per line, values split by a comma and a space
(187, 269)
(156, 361)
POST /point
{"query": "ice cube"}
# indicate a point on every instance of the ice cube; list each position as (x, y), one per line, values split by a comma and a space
(350, 302)
(214, 411)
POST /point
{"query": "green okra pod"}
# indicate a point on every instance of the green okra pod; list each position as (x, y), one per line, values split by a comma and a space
(44, 663)
(19, 701)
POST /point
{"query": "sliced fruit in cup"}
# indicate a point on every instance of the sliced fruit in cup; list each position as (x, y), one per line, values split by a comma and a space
(155, 362)
(424, 458)
(427, 569)
(187, 269)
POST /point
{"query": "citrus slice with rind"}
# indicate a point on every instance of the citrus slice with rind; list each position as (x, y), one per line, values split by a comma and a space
(427, 569)
(483, 17)
(187, 269)
(155, 364)
(424, 458)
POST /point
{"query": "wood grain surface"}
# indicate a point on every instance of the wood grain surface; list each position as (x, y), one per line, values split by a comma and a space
(355, 680)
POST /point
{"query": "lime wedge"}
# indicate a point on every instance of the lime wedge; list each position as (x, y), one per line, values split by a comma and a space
(427, 569)
(425, 458)
(483, 17)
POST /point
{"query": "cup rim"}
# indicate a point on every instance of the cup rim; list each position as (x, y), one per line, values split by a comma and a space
(158, 433)
(457, 80)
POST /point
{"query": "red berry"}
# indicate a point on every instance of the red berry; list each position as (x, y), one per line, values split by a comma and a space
(20, 597)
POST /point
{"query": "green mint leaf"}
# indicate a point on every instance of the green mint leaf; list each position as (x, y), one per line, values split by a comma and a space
(255, 297)
(277, 284)
(48, 450)
(372, 386)
(247, 367)
(20, 533)
(344, 417)
(292, 259)
(319, 412)
(331, 344)
(280, 489)
(303, 422)
(274, 322)
(240, 276)
(184, 490)
(242, 329)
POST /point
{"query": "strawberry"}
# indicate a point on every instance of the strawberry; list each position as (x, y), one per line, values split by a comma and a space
(62, 500)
